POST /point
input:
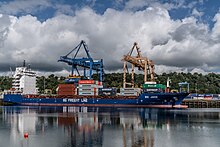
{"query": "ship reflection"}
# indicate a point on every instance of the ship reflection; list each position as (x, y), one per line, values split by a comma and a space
(107, 127)
(92, 126)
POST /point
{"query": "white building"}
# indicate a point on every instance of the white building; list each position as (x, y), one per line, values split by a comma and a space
(24, 80)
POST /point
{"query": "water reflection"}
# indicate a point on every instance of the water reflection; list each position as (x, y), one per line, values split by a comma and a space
(119, 127)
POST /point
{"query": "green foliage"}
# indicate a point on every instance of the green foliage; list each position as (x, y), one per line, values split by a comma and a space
(199, 83)
(5, 83)
(51, 82)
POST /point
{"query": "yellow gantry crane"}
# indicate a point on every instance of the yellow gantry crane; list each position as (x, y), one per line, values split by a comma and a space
(142, 63)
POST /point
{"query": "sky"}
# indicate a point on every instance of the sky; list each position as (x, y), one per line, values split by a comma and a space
(178, 35)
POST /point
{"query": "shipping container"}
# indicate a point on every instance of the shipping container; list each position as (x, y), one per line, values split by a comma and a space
(130, 89)
(129, 94)
(146, 90)
(66, 89)
(107, 89)
(100, 86)
(105, 93)
(98, 83)
(153, 86)
(86, 89)
(150, 82)
(88, 93)
(86, 82)
(67, 93)
(88, 85)
(72, 80)
(62, 87)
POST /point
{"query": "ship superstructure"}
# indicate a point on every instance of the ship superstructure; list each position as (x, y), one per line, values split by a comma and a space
(24, 80)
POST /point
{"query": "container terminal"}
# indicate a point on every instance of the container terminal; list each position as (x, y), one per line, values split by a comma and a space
(84, 91)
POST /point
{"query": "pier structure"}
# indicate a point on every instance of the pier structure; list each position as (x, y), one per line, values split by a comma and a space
(201, 103)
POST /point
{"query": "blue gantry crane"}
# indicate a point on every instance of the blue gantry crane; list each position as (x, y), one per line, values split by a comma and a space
(87, 63)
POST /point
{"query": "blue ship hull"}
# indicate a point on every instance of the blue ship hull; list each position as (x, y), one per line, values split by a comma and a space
(160, 100)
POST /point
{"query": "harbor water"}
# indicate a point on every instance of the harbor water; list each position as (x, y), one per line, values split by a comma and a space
(108, 127)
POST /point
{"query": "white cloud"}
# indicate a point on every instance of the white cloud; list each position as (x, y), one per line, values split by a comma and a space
(197, 13)
(140, 4)
(198, 70)
(136, 4)
(180, 45)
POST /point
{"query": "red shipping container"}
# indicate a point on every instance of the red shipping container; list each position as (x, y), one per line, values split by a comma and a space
(61, 89)
(66, 93)
(99, 83)
(66, 85)
(66, 90)
(86, 81)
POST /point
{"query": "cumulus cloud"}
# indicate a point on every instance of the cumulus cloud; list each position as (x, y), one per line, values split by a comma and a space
(174, 45)
(140, 4)
(197, 13)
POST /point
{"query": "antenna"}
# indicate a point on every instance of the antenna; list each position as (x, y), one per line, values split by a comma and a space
(11, 71)
(24, 63)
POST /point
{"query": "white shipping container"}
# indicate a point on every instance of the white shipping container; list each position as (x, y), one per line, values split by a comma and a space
(88, 93)
(88, 85)
(87, 89)
(130, 89)
(149, 82)
(129, 93)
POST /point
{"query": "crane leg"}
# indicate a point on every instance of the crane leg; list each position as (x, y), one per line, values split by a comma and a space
(124, 78)
(132, 76)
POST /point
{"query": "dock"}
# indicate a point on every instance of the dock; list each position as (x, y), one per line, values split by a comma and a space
(201, 103)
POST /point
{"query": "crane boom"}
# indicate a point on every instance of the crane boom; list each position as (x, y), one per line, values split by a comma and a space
(85, 62)
(143, 63)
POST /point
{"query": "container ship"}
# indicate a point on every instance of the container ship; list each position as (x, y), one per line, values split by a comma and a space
(88, 92)
(128, 97)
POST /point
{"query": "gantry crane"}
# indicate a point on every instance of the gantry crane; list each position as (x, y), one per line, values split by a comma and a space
(142, 63)
(84, 62)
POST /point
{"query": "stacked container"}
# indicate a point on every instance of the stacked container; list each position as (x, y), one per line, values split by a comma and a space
(107, 91)
(67, 89)
(89, 87)
(153, 88)
(130, 91)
